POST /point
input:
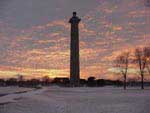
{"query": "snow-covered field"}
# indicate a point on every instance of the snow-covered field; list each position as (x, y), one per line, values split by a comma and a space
(9, 90)
(76, 100)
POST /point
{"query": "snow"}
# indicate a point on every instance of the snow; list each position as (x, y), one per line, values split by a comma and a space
(77, 100)
(12, 89)
(11, 94)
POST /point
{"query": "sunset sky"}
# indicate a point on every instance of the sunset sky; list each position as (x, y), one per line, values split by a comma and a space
(35, 35)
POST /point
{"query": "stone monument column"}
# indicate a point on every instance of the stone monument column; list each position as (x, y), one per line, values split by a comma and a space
(74, 51)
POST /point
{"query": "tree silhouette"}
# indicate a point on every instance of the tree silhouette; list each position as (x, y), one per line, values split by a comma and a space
(140, 58)
(122, 62)
(46, 80)
(147, 55)
(91, 82)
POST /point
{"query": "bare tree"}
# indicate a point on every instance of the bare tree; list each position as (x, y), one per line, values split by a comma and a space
(140, 58)
(147, 55)
(46, 80)
(122, 62)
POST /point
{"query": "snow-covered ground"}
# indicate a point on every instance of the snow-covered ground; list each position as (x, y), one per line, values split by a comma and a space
(12, 89)
(77, 100)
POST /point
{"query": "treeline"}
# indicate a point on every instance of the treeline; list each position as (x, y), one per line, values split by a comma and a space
(24, 83)
(90, 82)
(65, 82)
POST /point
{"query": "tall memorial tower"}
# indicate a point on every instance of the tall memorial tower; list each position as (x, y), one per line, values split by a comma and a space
(74, 51)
